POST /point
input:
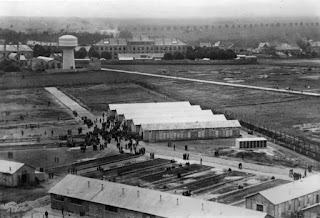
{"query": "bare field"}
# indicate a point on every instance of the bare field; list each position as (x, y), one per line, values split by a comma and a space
(31, 115)
(97, 97)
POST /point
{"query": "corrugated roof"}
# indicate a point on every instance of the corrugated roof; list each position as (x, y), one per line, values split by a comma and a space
(196, 118)
(168, 114)
(251, 139)
(292, 190)
(151, 104)
(146, 200)
(9, 166)
(157, 110)
(191, 125)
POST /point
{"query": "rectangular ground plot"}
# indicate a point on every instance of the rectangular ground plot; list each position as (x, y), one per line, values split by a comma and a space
(239, 195)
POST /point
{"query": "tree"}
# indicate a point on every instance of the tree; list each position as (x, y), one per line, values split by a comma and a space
(190, 54)
(178, 56)
(125, 34)
(39, 50)
(213, 55)
(81, 53)
(167, 56)
(230, 54)
(93, 53)
(106, 55)
(304, 45)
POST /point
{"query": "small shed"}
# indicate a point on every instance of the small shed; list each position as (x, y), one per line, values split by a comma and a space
(13, 174)
(251, 143)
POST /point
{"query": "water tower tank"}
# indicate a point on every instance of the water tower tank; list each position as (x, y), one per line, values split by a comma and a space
(68, 43)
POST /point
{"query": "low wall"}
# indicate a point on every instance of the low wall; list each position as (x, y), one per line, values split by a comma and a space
(181, 62)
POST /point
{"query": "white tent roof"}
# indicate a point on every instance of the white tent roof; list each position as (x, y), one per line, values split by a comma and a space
(176, 113)
(145, 200)
(158, 109)
(148, 105)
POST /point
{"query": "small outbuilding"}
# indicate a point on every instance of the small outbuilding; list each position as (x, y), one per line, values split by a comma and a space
(13, 174)
(251, 143)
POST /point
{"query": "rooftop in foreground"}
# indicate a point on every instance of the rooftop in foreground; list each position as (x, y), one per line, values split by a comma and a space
(146, 200)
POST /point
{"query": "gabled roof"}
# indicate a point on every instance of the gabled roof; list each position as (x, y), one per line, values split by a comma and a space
(292, 190)
(264, 44)
(10, 167)
(205, 44)
(79, 47)
(192, 125)
(217, 44)
(145, 200)
(157, 110)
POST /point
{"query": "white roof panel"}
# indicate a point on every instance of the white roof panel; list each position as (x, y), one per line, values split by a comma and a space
(129, 116)
(251, 139)
(191, 125)
(146, 200)
(158, 109)
(153, 104)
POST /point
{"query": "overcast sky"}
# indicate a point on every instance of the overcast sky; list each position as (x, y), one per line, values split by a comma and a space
(159, 8)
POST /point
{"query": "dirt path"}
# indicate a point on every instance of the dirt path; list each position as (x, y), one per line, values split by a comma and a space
(217, 83)
(279, 172)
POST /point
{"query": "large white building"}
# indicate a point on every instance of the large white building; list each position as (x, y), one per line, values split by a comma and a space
(165, 121)
(141, 45)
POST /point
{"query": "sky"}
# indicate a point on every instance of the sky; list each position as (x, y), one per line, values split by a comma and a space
(159, 8)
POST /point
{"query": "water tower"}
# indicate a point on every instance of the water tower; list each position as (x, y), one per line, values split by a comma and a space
(68, 43)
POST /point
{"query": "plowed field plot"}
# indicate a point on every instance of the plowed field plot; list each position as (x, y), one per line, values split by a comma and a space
(125, 170)
(97, 97)
(210, 182)
(239, 195)
(174, 172)
(32, 115)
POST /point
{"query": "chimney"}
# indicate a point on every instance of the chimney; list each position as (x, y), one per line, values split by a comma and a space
(202, 206)
(123, 191)
(88, 184)
(177, 201)
(101, 186)
(138, 193)
(160, 198)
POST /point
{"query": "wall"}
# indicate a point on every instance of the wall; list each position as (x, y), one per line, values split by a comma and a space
(95, 210)
(13, 180)
(186, 134)
(252, 201)
(312, 212)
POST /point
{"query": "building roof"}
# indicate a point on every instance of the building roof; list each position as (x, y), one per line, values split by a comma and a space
(168, 114)
(124, 41)
(46, 59)
(22, 58)
(150, 105)
(216, 44)
(251, 139)
(15, 48)
(264, 44)
(10, 167)
(315, 44)
(33, 43)
(85, 47)
(191, 125)
(12, 55)
(292, 190)
(205, 44)
(158, 110)
(196, 117)
(146, 200)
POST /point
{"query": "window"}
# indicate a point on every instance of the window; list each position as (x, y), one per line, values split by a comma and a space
(317, 198)
(111, 208)
(259, 207)
(289, 206)
(76, 201)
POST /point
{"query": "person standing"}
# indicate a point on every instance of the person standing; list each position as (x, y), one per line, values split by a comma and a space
(201, 161)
